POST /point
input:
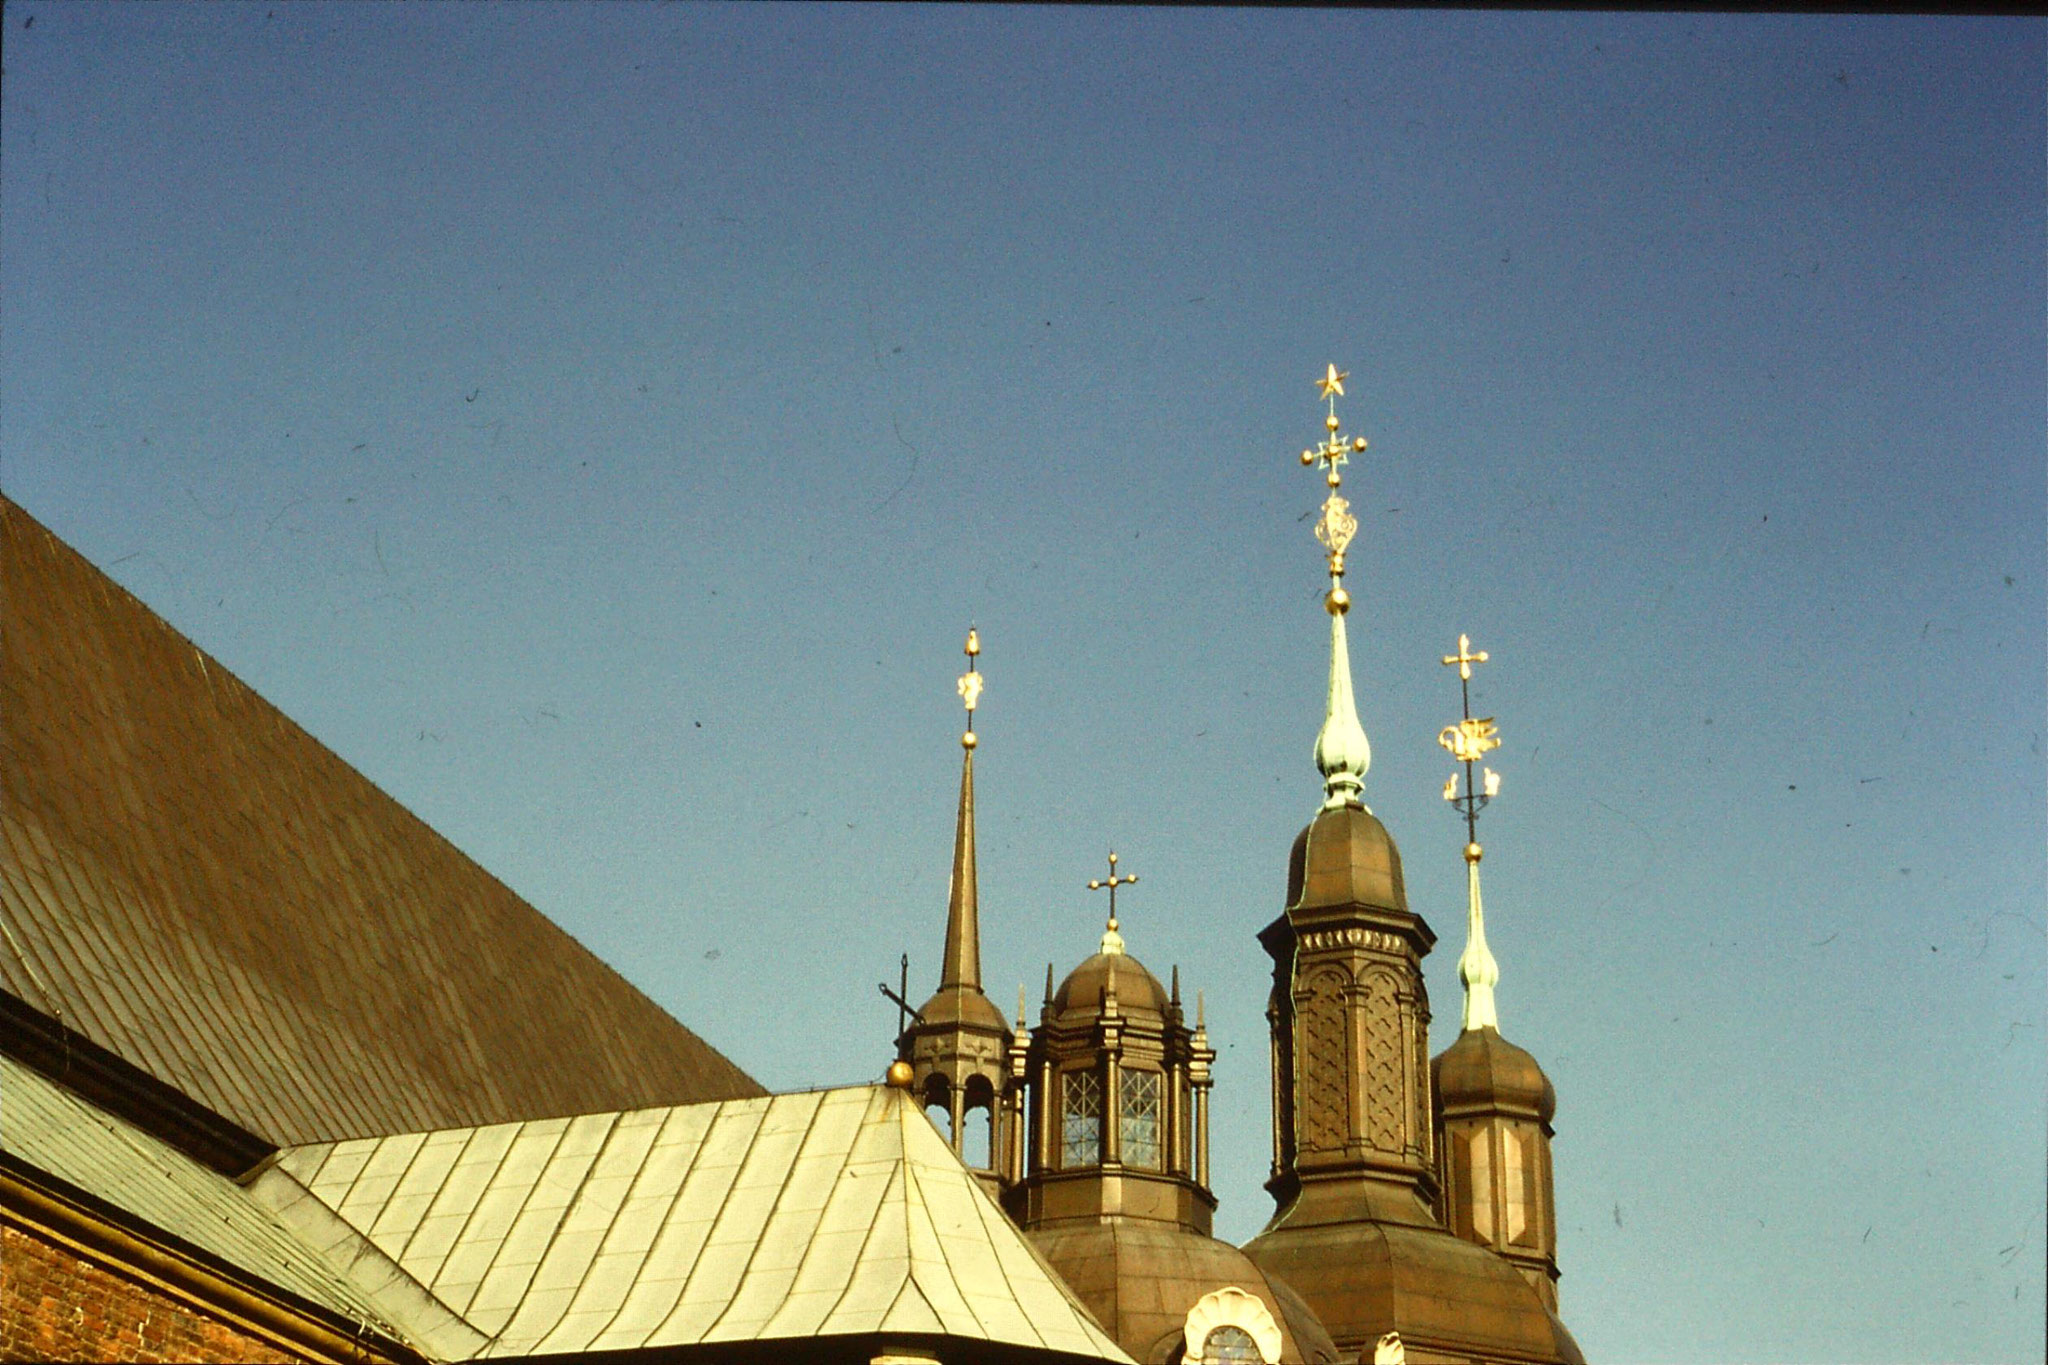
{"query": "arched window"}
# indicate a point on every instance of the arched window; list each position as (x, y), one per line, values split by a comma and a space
(978, 1124)
(1231, 1324)
(938, 1102)
(1080, 1118)
(1230, 1345)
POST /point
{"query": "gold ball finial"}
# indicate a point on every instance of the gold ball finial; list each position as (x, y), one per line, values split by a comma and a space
(1472, 852)
(968, 741)
(900, 1075)
(1330, 422)
(1337, 602)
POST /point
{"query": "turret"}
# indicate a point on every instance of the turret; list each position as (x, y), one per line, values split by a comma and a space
(1494, 1104)
(1357, 1228)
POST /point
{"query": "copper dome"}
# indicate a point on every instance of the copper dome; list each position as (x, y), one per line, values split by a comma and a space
(1345, 857)
(1484, 1070)
(1137, 990)
(1141, 1277)
(963, 1005)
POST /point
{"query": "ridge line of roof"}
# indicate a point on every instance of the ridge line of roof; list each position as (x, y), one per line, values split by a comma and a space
(265, 1190)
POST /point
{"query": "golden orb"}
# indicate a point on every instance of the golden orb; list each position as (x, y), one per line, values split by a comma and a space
(1472, 853)
(900, 1074)
(968, 741)
(1338, 602)
(1331, 421)
(1308, 457)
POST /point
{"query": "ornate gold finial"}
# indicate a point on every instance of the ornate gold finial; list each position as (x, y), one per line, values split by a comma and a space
(1470, 740)
(1112, 941)
(970, 685)
(1336, 526)
(1342, 753)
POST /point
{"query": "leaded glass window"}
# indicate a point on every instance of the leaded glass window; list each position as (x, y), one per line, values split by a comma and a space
(1230, 1344)
(1139, 1123)
(1080, 1118)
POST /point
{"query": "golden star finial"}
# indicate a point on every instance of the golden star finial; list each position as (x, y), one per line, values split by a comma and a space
(1337, 525)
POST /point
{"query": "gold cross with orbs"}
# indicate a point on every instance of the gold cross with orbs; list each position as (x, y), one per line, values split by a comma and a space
(1113, 881)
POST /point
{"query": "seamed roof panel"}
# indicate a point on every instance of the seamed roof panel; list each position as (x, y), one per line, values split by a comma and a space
(193, 882)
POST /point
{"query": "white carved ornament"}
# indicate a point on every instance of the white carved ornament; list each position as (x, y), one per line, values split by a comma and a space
(1231, 1307)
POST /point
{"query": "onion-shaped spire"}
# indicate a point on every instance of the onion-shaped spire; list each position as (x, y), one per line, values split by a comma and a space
(1342, 752)
(1470, 740)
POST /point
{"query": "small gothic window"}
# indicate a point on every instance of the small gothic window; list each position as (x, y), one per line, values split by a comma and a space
(1080, 1118)
(1230, 1344)
(1138, 1124)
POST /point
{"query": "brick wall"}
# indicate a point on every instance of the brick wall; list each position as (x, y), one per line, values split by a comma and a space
(55, 1306)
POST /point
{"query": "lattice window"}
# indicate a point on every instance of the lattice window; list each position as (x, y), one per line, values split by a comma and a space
(1080, 1118)
(1231, 1344)
(1139, 1121)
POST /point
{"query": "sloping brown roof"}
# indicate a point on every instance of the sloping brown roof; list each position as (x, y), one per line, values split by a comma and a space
(193, 882)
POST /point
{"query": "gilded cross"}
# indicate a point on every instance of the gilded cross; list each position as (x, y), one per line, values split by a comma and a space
(1464, 659)
(1113, 881)
(1335, 449)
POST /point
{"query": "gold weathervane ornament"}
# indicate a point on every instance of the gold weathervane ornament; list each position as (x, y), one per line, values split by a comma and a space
(1336, 526)
(1112, 941)
(970, 686)
(1469, 741)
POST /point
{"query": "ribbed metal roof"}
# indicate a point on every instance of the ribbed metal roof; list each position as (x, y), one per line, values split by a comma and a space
(831, 1213)
(195, 883)
(54, 1132)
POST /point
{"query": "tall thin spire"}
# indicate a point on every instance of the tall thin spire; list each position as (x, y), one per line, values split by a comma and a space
(1470, 740)
(1342, 752)
(962, 965)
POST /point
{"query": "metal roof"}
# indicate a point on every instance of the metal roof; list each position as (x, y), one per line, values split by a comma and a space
(819, 1214)
(190, 880)
(55, 1133)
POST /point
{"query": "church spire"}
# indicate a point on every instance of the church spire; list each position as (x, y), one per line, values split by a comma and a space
(958, 1047)
(1470, 740)
(962, 963)
(1342, 753)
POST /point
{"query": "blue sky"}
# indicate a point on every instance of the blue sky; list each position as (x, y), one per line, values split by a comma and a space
(600, 424)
